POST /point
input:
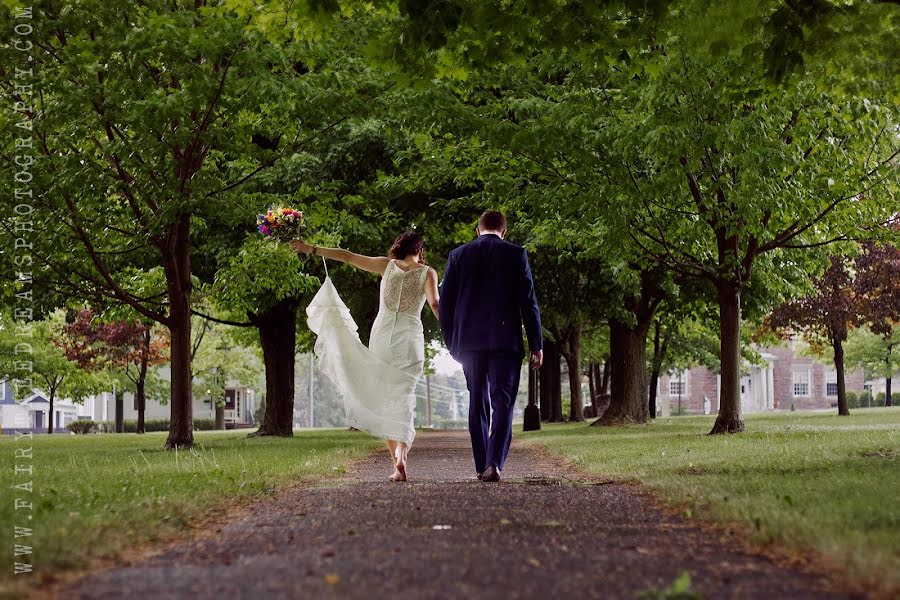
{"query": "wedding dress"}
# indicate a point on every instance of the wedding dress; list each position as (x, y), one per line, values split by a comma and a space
(377, 383)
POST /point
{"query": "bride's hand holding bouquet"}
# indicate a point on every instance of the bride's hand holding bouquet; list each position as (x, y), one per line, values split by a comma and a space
(301, 247)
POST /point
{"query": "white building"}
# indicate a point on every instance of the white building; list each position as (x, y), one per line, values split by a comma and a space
(32, 413)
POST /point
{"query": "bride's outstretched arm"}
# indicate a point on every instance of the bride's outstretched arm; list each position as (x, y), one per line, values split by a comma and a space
(432, 294)
(372, 264)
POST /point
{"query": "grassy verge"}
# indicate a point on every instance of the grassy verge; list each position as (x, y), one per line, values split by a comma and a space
(797, 480)
(96, 495)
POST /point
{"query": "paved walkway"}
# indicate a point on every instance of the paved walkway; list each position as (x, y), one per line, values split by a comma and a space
(446, 535)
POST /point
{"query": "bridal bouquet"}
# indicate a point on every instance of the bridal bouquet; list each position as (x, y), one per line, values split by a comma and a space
(282, 224)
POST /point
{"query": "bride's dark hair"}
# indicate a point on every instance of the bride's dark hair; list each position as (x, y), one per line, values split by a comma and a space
(408, 243)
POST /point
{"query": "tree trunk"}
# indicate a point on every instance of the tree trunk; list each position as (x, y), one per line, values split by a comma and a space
(654, 371)
(571, 351)
(545, 380)
(843, 408)
(729, 419)
(604, 381)
(556, 388)
(140, 397)
(220, 417)
(50, 415)
(628, 362)
(654, 383)
(601, 391)
(120, 411)
(550, 383)
(140, 393)
(592, 390)
(278, 337)
(177, 266)
(887, 380)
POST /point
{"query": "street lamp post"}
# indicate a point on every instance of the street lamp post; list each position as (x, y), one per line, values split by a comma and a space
(311, 382)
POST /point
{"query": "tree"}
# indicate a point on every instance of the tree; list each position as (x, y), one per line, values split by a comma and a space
(567, 285)
(877, 287)
(822, 318)
(221, 357)
(130, 348)
(264, 284)
(695, 160)
(50, 370)
(736, 177)
(869, 351)
(146, 118)
(683, 337)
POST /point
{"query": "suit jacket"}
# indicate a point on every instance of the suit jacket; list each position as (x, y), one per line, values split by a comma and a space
(486, 296)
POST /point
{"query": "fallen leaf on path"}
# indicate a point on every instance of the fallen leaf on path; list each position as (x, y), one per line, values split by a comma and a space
(332, 579)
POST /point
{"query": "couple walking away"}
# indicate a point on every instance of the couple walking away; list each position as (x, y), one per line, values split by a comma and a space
(486, 296)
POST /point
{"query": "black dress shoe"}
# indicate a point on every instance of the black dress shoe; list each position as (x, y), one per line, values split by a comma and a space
(491, 474)
(479, 475)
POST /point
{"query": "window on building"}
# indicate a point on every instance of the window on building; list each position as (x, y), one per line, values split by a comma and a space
(831, 388)
(801, 382)
(678, 384)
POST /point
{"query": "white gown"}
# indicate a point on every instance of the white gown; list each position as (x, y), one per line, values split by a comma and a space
(378, 382)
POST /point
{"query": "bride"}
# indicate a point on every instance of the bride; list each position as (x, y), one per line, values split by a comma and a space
(377, 382)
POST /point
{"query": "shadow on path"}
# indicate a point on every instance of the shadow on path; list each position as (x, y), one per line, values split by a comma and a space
(446, 535)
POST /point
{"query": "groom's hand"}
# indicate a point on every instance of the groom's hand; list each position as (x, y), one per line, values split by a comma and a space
(537, 359)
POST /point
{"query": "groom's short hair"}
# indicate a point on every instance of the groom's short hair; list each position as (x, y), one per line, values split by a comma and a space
(492, 220)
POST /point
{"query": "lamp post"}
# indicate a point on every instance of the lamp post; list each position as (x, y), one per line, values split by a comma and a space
(428, 398)
(311, 382)
(679, 392)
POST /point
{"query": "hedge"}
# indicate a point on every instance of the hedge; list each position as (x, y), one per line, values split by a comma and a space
(156, 425)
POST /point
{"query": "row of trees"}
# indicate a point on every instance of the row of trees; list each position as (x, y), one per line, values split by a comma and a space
(654, 175)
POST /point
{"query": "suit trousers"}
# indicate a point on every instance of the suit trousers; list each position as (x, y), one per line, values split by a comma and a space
(493, 381)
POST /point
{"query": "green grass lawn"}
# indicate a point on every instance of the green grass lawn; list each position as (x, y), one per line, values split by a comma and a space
(96, 495)
(798, 480)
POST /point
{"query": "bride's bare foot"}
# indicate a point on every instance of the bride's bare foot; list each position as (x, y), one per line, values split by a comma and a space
(399, 465)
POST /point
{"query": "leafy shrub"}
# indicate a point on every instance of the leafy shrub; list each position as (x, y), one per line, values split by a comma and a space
(879, 399)
(202, 425)
(81, 426)
(852, 399)
(155, 425)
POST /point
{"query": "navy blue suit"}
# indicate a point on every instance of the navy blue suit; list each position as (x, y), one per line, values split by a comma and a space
(487, 295)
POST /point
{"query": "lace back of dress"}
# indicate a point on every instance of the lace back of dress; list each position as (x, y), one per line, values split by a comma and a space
(404, 291)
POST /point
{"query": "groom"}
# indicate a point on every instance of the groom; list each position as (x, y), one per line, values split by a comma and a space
(486, 296)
